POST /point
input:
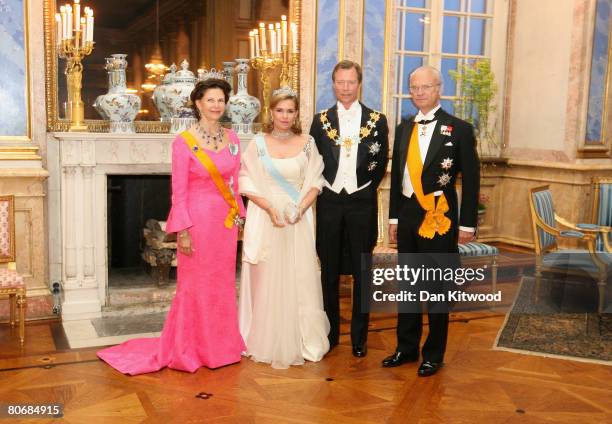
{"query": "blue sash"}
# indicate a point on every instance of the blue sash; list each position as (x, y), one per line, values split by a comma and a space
(274, 173)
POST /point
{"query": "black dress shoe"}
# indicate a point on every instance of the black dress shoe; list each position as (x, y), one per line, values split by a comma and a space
(360, 351)
(399, 358)
(428, 368)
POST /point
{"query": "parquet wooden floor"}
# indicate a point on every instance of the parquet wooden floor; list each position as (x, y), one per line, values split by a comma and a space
(477, 385)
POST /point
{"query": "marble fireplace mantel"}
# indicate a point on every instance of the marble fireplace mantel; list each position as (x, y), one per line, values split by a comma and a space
(79, 164)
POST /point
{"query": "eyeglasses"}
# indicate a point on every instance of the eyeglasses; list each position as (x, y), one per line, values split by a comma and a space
(424, 88)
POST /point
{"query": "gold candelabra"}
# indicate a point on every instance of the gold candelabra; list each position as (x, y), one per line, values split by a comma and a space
(265, 63)
(272, 47)
(74, 38)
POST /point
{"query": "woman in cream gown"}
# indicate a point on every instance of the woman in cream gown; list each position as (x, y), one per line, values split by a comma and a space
(281, 314)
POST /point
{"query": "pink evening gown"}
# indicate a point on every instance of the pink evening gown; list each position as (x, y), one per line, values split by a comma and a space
(201, 328)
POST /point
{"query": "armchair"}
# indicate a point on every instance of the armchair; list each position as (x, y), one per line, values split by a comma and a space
(549, 258)
(11, 283)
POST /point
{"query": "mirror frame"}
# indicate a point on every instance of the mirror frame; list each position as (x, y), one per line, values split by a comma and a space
(55, 124)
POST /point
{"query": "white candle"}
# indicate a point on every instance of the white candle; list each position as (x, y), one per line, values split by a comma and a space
(272, 36)
(77, 15)
(90, 28)
(284, 30)
(278, 37)
(84, 30)
(58, 28)
(63, 16)
(69, 20)
(262, 36)
(251, 45)
(256, 37)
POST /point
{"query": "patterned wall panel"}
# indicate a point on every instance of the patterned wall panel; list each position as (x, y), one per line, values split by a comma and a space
(373, 53)
(327, 51)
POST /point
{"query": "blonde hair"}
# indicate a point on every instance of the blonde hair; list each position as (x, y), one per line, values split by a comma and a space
(275, 100)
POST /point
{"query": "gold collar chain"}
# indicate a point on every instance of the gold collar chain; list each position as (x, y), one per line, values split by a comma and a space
(334, 134)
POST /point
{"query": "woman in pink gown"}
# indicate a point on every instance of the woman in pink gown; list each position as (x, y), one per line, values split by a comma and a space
(201, 328)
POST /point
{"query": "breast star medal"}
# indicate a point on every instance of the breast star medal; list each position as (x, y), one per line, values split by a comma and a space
(374, 148)
(444, 179)
(446, 164)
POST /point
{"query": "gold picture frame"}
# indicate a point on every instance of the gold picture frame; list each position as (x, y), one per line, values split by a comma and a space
(55, 124)
(28, 108)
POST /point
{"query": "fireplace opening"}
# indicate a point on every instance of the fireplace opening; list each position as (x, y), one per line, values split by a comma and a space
(136, 202)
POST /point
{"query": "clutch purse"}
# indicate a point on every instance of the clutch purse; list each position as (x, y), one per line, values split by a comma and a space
(291, 212)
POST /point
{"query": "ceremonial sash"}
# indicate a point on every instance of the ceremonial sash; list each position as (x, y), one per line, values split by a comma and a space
(434, 220)
(273, 171)
(206, 161)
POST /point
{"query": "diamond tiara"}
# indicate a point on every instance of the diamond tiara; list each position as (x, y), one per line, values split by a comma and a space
(203, 74)
(285, 91)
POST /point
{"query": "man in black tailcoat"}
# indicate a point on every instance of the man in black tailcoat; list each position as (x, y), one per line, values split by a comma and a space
(353, 140)
(429, 151)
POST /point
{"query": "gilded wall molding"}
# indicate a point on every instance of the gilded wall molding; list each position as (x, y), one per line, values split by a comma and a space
(54, 124)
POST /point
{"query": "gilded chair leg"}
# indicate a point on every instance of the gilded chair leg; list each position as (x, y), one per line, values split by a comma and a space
(13, 303)
(21, 302)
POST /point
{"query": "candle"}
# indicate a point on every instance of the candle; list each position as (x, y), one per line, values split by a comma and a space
(69, 20)
(77, 15)
(256, 37)
(284, 30)
(90, 26)
(272, 36)
(251, 45)
(262, 36)
(278, 37)
(58, 28)
(84, 30)
(63, 16)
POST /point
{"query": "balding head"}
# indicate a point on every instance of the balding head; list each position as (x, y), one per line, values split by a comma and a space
(428, 71)
(425, 87)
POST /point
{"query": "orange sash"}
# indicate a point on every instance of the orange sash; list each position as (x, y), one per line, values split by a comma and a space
(434, 220)
(206, 161)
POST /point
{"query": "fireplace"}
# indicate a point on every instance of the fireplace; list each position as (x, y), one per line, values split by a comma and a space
(132, 200)
(90, 178)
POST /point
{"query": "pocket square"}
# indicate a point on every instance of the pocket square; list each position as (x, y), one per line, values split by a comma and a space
(450, 143)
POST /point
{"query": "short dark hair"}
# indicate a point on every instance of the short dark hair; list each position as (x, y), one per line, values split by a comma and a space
(348, 64)
(202, 87)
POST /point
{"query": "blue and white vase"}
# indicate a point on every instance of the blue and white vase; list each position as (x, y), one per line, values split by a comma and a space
(243, 108)
(177, 99)
(118, 106)
(159, 95)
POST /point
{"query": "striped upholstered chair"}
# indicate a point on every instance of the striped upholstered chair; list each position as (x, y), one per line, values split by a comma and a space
(549, 258)
(11, 283)
(602, 213)
(476, 253)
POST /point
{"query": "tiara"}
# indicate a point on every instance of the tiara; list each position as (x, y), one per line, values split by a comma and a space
(285, 91)
(203, 74)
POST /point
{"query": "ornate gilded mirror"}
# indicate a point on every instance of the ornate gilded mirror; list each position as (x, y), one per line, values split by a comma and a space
(154, 32)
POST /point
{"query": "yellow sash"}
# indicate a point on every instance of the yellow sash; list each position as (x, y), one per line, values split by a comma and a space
(210, 166)
(434, 220)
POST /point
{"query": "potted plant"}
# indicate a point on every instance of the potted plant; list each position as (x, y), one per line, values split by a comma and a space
(476, 103)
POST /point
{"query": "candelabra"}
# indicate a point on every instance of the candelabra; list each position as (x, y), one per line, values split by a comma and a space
(290, 61)
(74, 41)
(265, 63)
(74, 54)
(270, 49)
